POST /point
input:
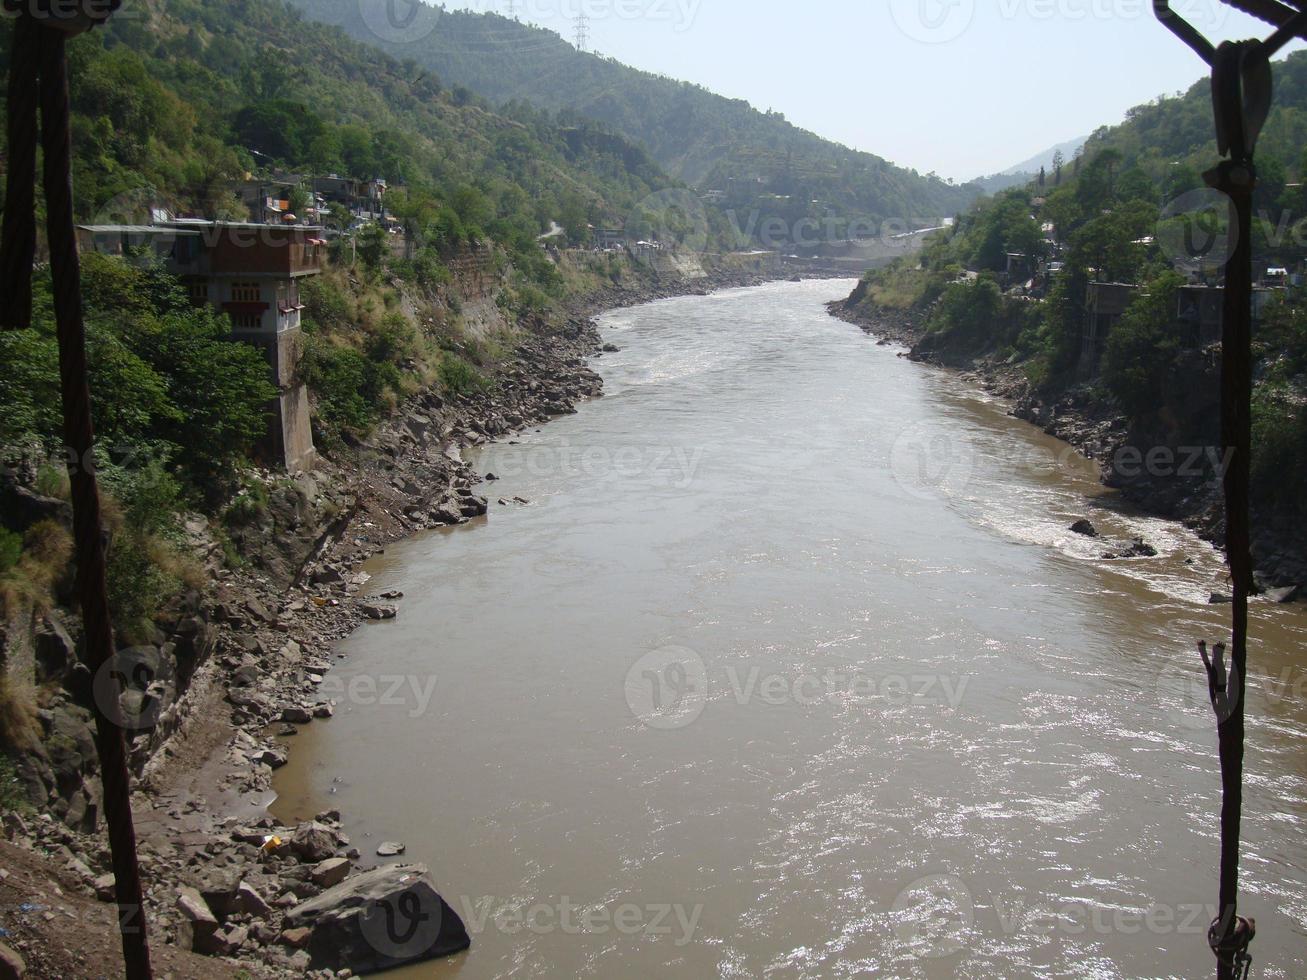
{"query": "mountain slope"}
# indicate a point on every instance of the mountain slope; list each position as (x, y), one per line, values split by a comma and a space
(176, 103)
(712, 142)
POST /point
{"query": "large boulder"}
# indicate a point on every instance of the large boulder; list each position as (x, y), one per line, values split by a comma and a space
(314, 842)
(379, 919)
(55, 649)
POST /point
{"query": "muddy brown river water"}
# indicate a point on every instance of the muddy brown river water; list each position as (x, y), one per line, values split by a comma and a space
(790, 667)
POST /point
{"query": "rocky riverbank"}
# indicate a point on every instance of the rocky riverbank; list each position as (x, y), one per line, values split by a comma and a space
(1182, 487)
(214, 700)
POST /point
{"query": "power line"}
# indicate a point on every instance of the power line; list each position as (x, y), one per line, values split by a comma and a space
(582, 31)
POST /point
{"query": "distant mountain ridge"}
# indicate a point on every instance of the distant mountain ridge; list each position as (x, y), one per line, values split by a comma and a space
(1045, 158)
(750, 159)
(1027, 170)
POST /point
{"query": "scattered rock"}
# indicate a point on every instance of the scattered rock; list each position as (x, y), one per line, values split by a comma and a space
(296, 715)
(259, 611)
(378, 610)
(199, 925)
(313, 842)
(270, 756)
(1283, 596)
(1220, 599)
(331, 872)
(1138, 549)
(390, 848)
(1086, 528)
(250, 902)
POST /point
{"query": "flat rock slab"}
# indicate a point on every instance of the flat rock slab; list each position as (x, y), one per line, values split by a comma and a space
(378, 920)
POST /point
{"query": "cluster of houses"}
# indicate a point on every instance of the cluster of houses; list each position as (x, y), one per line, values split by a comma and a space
(269, 199)
(1198, 315)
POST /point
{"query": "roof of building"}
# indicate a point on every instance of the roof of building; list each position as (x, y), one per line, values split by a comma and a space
(136, 230)
(211, 223)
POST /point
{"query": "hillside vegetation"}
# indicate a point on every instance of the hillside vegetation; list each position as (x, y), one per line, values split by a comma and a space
(1111, 215)
(175, 103)
(758, 159)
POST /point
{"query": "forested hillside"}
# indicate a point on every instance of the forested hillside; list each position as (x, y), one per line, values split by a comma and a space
(176, 100)
(1011, 284)
(174, 104)
(758, 159)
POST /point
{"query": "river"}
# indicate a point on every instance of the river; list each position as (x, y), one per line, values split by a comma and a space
(789, 666)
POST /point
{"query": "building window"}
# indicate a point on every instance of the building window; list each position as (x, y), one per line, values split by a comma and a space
(246, 292)
(247, 321)
(199, 291)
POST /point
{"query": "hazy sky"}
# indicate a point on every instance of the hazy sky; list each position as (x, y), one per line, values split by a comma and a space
(961, 87)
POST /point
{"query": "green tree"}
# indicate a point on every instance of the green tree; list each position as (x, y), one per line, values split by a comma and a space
(1142, 347)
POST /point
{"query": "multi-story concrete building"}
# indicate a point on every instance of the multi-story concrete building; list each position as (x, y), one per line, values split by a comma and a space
(251, 272)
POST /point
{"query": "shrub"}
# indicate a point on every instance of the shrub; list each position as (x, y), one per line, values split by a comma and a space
(11, 548)
(52, 481)
(19, 726)
(150, 497)
(460, 377)
(43, 561)
(12, 797)
(139, 583)
(968, 313)
(1279, 446)
(247, 506)
(342, 379)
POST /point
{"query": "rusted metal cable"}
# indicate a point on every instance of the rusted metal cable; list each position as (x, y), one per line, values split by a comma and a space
(87, 526)
(1272, 11)
(1237, 179)
(1242, 93)
(18, 237)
